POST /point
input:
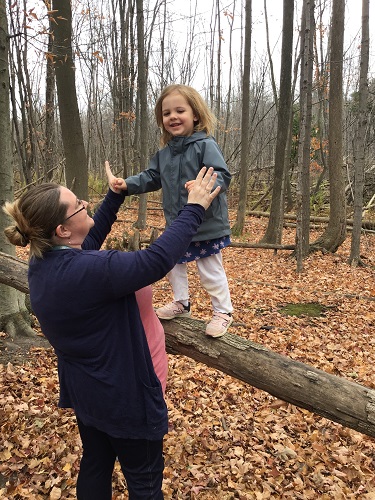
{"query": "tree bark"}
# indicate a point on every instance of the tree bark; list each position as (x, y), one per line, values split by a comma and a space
(12, 303)
(274, 229)
(143, 119)
(71, 130)
(366, 224)
(360, 139)
(343, 401)
(13, 272)
(335, 233)
(303, 181)
(237, 229)
(335, 398)
(50, 143)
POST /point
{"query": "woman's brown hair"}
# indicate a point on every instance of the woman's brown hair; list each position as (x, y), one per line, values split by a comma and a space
(36, 213)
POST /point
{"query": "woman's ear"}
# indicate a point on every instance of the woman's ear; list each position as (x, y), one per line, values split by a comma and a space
(62, 232)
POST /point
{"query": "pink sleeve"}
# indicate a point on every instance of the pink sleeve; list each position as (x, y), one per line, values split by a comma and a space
(154, 332)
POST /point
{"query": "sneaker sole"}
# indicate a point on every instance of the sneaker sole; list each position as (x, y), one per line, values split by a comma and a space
(182, 315)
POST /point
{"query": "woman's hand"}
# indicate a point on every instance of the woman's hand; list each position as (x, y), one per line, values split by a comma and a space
(200, 190)
(116, 184)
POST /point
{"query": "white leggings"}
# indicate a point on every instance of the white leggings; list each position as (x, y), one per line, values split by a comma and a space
(213, 279)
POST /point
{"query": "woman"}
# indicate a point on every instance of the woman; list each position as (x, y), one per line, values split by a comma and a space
(86, 305)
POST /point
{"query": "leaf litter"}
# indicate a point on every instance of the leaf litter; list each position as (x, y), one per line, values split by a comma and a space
(226, 439)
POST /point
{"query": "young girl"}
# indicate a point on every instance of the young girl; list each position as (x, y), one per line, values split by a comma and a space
(187, 144)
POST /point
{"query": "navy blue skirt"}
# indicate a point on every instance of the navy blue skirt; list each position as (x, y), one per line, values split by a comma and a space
(200, 249)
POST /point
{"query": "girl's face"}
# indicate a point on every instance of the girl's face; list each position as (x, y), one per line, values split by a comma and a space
(178, 115)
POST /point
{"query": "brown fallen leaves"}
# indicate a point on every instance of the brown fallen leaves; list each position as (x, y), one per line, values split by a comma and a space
(227, 440)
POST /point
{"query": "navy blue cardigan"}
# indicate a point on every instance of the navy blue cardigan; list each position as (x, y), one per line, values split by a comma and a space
(86, 306)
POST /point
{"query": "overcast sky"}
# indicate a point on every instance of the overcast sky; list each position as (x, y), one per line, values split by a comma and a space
(275, 20)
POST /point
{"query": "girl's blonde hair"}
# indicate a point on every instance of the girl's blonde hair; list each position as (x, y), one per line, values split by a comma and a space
(36, 213)
(206, 120)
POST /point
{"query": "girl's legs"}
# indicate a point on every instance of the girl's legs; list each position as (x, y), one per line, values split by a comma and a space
(178, 279)
(141, 461)
(214, 281)
(180, 306)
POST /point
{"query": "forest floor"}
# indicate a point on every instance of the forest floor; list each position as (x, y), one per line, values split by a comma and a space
(227, 440)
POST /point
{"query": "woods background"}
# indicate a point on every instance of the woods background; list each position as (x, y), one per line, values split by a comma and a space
(109, 62)
(295, 110)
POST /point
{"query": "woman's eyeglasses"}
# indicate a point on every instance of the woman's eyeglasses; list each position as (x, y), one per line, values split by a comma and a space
(76, 212)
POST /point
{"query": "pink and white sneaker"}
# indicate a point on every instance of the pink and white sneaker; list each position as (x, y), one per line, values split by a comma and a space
(219, 324)
(173, 310)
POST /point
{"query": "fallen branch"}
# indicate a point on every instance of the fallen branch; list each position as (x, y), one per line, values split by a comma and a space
(366, 224)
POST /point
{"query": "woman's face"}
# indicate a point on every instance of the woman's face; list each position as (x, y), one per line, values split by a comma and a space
(178, 115)
(77, 220)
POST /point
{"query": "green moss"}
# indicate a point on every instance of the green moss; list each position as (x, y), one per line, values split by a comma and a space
(312, 309)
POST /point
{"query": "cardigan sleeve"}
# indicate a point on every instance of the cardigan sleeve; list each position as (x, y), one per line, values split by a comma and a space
(104, 219)
(116, 273)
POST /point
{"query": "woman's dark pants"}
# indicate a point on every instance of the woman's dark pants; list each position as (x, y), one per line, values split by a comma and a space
(141, 461)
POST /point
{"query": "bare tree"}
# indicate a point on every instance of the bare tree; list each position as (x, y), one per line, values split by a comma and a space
(49, 110)
(272, 73)
(143, 119)
(14, 318)
(230, 18)
(321, 82)
(303, 182)
(335, 233)
(274, 229)
(21, 93)
(360, 139)
(245, 121)
(71, 129)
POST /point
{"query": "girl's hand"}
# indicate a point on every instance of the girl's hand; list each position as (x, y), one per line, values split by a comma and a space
(189, 185)
(201, 190)
(116, 184)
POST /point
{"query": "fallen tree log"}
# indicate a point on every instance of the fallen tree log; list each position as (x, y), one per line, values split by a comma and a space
(338, 399)
(366, 224)
(267, 246)
(13, 272)
(335, 398)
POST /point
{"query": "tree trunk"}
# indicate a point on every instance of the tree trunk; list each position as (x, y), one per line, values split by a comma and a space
(343, 401)
(321, 77)
(50, 144)
(360, 140)
(237, 229)
(21, 91)
(13, 312)
(335, 232)
(303, 183)
(143, 119)
(274, 229)
(71, 130)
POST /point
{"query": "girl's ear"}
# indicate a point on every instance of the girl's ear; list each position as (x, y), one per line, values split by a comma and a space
(62, 232)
